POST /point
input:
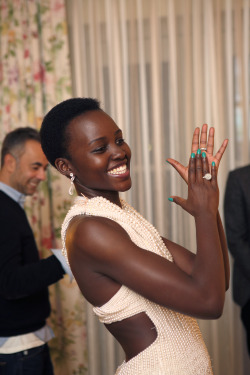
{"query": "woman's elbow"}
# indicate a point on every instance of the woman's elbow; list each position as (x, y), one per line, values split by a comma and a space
(215, 306)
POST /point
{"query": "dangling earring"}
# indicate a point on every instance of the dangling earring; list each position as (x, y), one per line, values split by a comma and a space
(71, 188)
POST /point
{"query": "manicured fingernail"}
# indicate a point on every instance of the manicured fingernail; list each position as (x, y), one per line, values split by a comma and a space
(203, 155)
(198, 151)
(170, 199)
(193, 155)
(213, 164)
(167, 161)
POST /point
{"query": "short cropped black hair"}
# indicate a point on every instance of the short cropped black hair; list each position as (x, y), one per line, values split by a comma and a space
(54, 137)
(15, 140)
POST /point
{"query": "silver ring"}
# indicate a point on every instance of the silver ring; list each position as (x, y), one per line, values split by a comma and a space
(207, 176)
(203, 149)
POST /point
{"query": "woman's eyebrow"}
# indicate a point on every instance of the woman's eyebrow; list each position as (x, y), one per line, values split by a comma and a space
(102, 138)
(97, 139)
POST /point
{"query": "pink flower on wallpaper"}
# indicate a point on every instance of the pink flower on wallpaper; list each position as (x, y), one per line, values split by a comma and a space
(26, 53)
(47, 242)
(34, 197)
(47, 237)
(42, 201)
(3, 6)
(13, 74)
(35, 34)
(57, 6)
(33, 219)
(39, 75)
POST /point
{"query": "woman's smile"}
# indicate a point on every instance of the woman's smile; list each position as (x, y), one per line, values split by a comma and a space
(119, 171)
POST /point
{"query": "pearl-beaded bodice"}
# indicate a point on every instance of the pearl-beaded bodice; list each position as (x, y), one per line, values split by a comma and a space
(179, 348)
(147, 238)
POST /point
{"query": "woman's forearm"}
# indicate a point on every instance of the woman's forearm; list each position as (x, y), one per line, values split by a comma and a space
(224, 250)
(208, 270)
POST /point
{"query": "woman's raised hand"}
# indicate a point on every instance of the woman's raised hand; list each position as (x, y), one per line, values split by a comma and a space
(203, 194)
(204, 143)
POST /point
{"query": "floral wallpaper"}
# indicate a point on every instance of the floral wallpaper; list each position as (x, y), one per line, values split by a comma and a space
(34, 76)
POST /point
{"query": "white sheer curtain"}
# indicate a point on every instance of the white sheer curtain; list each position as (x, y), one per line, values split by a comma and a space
(160, 68)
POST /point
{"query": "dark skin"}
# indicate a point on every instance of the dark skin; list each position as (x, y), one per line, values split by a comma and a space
(103, 257)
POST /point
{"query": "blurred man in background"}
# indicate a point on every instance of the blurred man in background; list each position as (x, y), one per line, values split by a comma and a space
(24, 278)
(237, 223)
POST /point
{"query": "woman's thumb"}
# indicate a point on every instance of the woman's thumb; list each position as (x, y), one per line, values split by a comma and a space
(178, 200)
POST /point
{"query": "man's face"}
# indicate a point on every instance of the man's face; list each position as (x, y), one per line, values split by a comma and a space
(30, 168)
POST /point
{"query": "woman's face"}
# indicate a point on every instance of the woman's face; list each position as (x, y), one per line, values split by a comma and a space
(100, 158)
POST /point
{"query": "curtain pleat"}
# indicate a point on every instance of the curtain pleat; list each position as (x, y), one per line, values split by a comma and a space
(229, 61)
(144, 112)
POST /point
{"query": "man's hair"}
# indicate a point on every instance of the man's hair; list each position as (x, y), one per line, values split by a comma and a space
(54, 136)
(14, 141)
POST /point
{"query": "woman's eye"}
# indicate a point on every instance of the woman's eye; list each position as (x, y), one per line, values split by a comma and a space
(120, 141)
(100, 149)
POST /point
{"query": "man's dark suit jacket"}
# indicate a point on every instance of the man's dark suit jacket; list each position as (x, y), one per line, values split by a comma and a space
(237, 224)
(24, 278)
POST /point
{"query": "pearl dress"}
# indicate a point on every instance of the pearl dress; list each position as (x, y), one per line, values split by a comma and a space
(179, 348)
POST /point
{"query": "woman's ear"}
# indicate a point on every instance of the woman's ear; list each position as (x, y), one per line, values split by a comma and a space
(63, 166)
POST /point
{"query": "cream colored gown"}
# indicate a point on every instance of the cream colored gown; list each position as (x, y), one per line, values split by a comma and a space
(179, 348)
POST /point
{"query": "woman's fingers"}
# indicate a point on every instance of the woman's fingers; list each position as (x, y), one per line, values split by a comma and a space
(199, 168)
(203, 138)
(201, 191)
(200, 139)
(221, 150)
(205, 165)
(214, 174)
(178, 167)
(195, 140)
(199, 142)
(178, 200)
(210, 142)
(206, 143)
(191, 169)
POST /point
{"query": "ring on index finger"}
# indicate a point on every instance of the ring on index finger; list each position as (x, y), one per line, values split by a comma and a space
(203, 149)
(207, 176)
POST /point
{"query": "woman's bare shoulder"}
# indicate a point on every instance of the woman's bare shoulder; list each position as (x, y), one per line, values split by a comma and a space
(90, 233)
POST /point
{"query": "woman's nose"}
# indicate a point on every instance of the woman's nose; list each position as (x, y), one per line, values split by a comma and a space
(118, 152)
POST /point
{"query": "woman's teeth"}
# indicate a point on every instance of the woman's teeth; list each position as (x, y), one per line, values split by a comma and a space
(119, 170)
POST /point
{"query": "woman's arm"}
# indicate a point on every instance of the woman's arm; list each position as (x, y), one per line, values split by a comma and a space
(185, 259)
(204, 141)
(224, 249)
(103, 257)
(203, 205)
